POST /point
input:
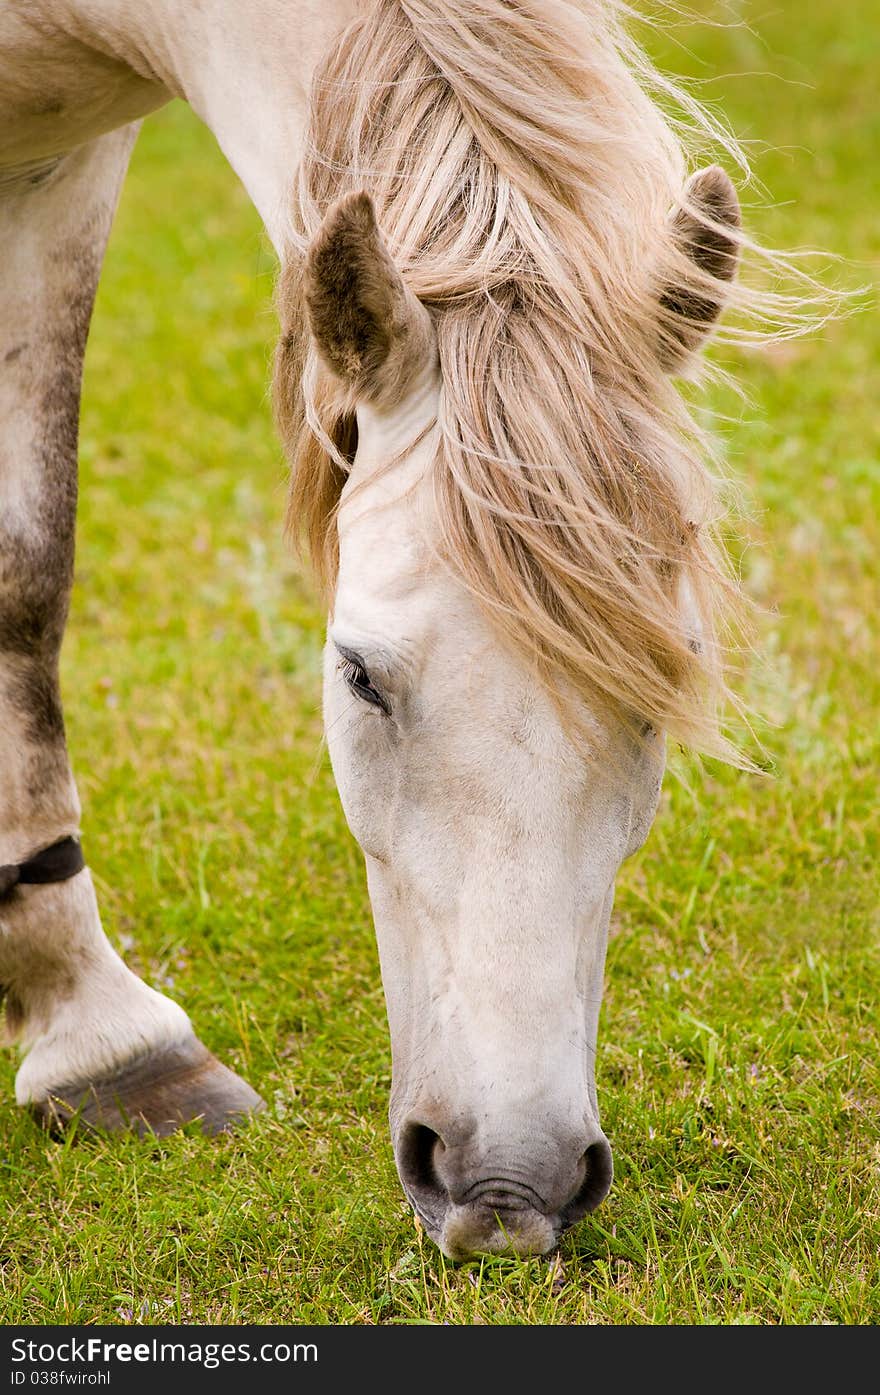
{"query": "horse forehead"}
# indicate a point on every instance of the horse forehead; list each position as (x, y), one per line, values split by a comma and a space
(389, 573)
(382, 538)
(388, 598)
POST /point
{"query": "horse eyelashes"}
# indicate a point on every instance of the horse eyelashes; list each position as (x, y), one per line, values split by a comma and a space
(358, 680)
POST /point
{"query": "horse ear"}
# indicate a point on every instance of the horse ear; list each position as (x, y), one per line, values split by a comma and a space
(700, 227)
(369, 328)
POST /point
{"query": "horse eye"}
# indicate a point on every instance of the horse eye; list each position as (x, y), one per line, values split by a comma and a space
(358, 680)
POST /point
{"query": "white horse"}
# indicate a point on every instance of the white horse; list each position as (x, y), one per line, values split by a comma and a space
(492, 266)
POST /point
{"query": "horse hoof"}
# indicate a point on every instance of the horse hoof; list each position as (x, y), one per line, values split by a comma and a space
(155, 1095)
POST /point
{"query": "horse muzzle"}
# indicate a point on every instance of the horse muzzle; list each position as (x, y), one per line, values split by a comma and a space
(509, 1199)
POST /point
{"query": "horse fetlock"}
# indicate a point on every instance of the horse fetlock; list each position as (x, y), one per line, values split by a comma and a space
(116, 1055)
(100, 1044)
(88, 1021)
(75, 1008)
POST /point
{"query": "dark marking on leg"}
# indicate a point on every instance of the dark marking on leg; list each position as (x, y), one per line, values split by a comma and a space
(48, 105)
(36, 569)
(13, 1012)
(34, 692)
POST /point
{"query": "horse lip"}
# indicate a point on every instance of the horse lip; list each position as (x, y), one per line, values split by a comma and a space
(497, 1216)
(479, 1228)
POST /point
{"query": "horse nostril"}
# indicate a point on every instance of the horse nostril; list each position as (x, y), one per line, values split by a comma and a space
(598, 1173)
(416, 1163)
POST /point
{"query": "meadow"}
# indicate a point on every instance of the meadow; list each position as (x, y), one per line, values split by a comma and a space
(738, 1048)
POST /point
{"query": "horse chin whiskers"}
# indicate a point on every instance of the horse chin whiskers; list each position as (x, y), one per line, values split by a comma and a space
(494, 1215)
(478, 1229)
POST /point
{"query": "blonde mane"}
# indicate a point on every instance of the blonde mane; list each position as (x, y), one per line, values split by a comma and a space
(523, 172)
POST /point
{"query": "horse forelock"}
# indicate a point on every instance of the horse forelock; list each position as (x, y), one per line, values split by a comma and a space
(523, 173)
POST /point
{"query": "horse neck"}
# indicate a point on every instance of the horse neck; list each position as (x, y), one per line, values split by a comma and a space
(245, 69)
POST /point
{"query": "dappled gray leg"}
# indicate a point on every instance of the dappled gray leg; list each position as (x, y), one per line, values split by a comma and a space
(98, 1042)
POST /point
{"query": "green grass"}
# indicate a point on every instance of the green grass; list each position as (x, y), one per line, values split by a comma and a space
(738, 1052)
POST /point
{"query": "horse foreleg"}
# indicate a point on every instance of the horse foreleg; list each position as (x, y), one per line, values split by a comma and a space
(97, 1040)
